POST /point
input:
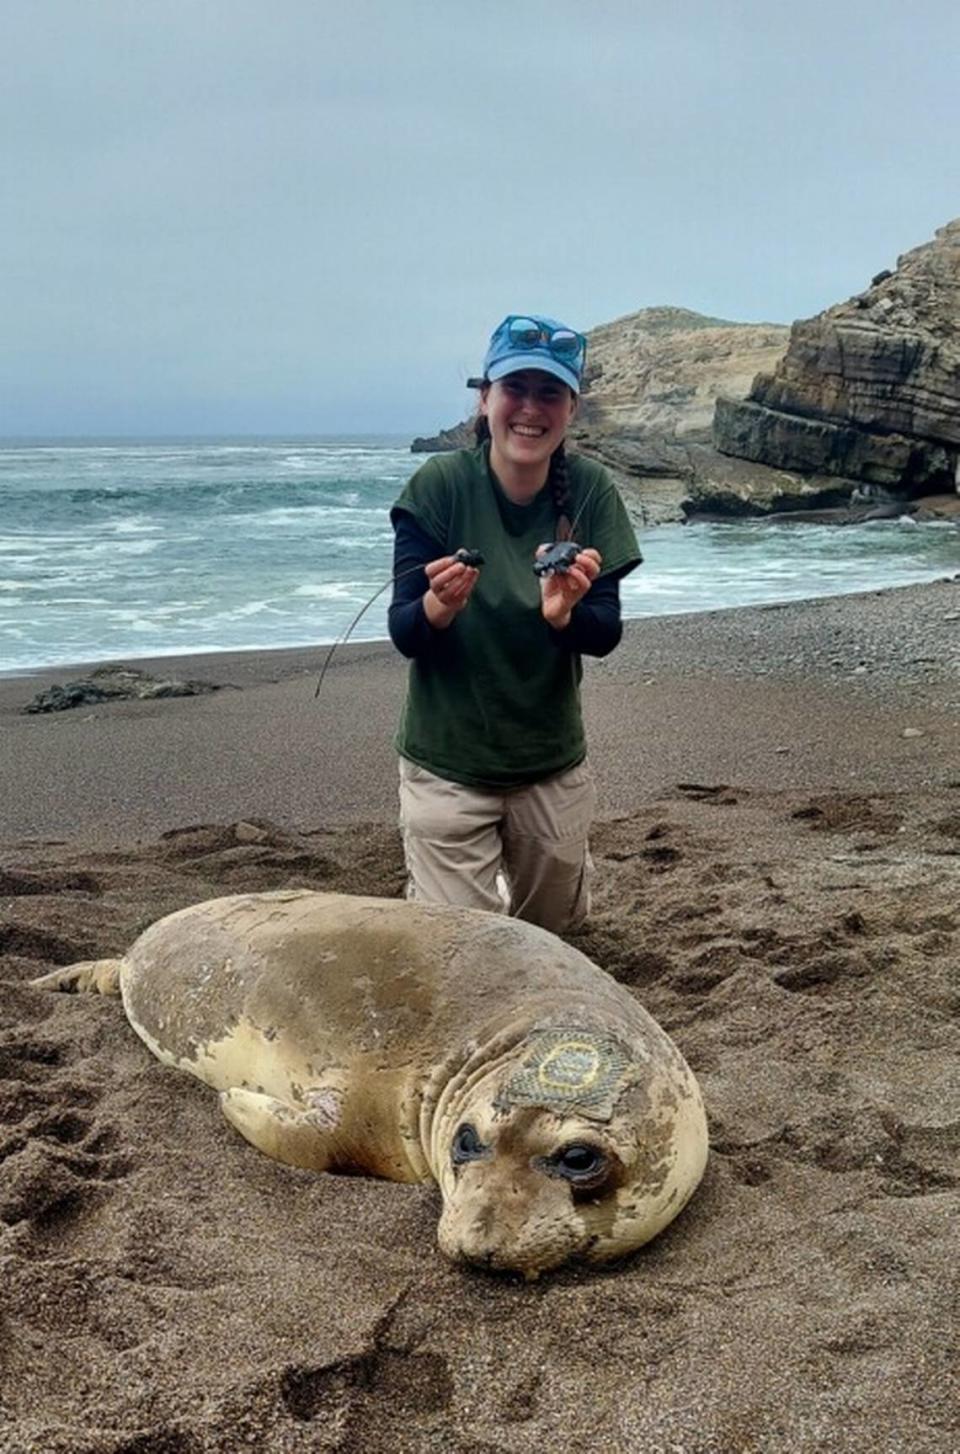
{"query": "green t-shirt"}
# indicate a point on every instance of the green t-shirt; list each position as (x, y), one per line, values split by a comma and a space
(497, 703)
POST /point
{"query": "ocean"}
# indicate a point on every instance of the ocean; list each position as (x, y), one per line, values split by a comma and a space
(120, 549)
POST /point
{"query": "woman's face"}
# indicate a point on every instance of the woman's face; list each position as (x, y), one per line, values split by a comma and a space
(528, 413)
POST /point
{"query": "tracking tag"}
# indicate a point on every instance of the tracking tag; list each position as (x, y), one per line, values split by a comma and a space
(569, 1070)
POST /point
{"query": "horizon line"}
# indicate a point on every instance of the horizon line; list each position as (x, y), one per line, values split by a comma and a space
(151, 435)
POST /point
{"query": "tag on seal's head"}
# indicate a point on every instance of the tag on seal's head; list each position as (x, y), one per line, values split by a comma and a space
(570, 1071)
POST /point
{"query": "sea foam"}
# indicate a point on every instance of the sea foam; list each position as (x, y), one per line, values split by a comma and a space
(112, 549)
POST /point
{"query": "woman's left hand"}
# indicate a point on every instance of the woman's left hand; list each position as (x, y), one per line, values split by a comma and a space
(559, 593)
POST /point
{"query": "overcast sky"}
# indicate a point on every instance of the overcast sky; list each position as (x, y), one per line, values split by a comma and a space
(249, 216)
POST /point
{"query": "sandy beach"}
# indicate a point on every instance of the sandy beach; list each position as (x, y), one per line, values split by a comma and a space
(778, 866)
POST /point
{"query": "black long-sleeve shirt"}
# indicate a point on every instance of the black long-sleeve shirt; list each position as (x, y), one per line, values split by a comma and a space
(595, 626)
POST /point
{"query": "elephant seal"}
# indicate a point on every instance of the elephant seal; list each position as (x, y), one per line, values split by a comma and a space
(416, 1042)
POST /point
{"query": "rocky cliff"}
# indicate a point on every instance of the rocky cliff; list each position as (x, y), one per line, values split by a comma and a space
(855, 411)
(869, 389)
(652, 382)
(650, 386)
(459, 436)
(659, 371)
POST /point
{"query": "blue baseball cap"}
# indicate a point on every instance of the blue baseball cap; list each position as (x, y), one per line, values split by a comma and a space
(527, 341)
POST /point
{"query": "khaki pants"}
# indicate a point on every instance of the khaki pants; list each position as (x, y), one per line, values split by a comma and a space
(459, 841)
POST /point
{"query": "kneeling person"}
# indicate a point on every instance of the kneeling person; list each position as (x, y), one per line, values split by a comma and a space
(495, 791)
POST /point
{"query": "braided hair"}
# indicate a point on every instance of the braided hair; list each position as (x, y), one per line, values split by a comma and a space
(557, 478)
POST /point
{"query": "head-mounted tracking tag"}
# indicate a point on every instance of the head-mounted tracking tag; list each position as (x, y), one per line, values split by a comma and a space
(569, 1071)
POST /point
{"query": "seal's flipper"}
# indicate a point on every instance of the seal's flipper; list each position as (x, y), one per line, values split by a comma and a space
(91, 977)
(279, 1129)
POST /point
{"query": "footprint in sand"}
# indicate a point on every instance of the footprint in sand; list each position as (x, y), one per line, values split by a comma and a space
(841, 813)
(18, 883)
(57, 1157)
(29, 941)
(708, 793)
(948, 827)
(396, 1386)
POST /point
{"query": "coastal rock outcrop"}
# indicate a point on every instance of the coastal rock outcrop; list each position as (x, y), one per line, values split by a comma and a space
(114, 683)
(460, 436)
(656, 374)
(650, 385)
(869, 389)
(854, 412)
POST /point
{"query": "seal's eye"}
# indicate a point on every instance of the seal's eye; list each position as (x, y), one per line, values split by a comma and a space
(467, 1145)
(580, 1163)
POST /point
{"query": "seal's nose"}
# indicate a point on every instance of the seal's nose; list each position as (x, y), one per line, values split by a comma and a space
(495, 1235)
(492, 1259)
(483, 1224)
(486, 1236)
(504, 1215)
(479, 1241)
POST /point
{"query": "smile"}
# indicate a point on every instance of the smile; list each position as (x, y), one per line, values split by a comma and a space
(528, 431)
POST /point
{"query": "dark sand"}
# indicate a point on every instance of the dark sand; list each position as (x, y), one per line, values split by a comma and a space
(778, 877)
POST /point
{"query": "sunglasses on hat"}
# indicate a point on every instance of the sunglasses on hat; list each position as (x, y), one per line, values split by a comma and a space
(522, 332)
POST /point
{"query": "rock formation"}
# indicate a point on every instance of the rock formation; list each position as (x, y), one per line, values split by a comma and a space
(659, 371)
(114, 683)
(650, 385)
(460, 436)
(852, 411)
(869, 389)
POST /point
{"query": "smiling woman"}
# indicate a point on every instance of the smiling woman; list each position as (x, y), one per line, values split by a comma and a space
(495, 792)
(527, 415)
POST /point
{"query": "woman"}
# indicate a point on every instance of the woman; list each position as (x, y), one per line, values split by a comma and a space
(496, 796)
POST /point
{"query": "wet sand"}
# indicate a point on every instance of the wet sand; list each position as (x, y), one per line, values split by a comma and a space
(778, 855)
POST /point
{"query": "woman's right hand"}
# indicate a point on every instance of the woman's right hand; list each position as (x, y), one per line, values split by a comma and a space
(450, 585)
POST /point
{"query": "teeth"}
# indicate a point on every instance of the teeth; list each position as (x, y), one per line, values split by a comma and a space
(526, 429)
